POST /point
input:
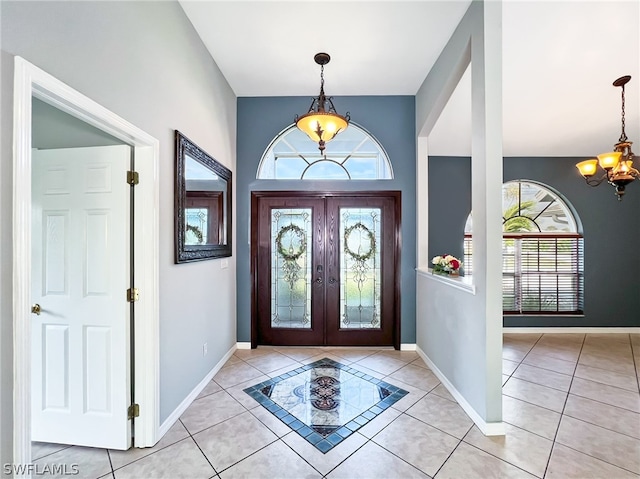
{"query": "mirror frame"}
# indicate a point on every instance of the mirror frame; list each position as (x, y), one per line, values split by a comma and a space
(187, 253)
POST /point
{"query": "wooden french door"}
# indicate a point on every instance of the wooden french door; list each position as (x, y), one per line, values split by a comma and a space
(326, 268)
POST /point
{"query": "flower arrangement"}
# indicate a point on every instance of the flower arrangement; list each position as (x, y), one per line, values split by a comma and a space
(446, 264)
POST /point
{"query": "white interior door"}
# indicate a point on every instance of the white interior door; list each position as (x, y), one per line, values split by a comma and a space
(80, 273)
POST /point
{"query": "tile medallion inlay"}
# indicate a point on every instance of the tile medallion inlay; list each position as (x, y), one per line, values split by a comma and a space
(325, 401)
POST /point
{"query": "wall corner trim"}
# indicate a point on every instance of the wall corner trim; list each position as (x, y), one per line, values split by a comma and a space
(408, 347)
(182, 407)
(487, 428)
(243, 345)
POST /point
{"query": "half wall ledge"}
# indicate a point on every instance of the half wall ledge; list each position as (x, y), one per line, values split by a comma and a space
(463, 283)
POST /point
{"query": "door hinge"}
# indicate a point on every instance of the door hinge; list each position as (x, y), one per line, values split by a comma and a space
(133, 411)
(133, 294)
(133, 178)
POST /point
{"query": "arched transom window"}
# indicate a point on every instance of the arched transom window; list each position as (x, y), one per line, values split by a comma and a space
(542, 251)
(352, 155)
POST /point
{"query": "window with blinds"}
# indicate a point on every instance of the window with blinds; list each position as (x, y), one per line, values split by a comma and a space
(542, 259)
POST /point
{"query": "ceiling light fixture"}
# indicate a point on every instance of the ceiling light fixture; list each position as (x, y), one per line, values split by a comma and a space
(322, 123)
(617, 164)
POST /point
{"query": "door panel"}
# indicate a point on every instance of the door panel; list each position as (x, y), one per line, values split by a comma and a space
(80, 273)
(291, 268)
(325, 270)
(290, 240)
(360, 265)
(361, 293)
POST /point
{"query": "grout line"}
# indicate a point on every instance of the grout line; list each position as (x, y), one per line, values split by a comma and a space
(309, 463)
(555, 437)
(150, 454)
(543, 385)
(395, 455)
(635, 363)
(247, 456)
(215, 472)
(448, 457)
(603, 427)
(110, 463)
(606, 403)
(436, 427)
(246, 410)
(597, 458)
(502, 459)
(560, 420)
(531, 403)
(62, 448)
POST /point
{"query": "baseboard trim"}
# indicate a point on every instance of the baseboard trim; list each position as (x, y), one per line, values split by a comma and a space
(487, 428)
(243, 345)
(408, 347)
(182, 407)
(581, 330)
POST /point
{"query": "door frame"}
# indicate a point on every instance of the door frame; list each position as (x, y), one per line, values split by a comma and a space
(257, 195)
(30, 81)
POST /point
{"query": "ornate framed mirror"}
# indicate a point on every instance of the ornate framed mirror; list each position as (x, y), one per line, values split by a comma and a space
(202, 204)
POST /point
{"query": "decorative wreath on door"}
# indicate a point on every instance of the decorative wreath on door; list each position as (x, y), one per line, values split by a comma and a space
(197, 232)
(360, 256)
(297, 245)
(359, 267)
(296, 233)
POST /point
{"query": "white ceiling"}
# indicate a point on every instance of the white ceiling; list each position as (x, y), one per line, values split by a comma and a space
(559, 61)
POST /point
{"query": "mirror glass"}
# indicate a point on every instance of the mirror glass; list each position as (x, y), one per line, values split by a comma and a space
(203, 204)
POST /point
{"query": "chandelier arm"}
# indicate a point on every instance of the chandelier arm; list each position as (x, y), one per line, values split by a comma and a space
(312, 107)
(597, 182)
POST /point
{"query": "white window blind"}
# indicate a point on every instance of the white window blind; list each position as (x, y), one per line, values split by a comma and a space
(541, 273)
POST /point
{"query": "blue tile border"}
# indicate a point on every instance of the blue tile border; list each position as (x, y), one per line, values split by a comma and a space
(338, 433)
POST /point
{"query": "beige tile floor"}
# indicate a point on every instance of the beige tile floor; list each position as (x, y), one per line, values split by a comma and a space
(571, 405)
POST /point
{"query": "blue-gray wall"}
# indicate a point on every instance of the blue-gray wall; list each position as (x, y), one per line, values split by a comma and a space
(611, 232)
(391, 120)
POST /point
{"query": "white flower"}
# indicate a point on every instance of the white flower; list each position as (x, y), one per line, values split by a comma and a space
(446, 263)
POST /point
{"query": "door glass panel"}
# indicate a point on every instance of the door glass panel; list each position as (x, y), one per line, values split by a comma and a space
(360, 268)
(291, 268)
(196, 226)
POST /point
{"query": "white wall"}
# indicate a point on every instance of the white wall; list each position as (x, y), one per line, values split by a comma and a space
(144, 62)
(460, 331)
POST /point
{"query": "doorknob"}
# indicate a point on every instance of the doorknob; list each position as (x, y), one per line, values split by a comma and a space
(36, 309)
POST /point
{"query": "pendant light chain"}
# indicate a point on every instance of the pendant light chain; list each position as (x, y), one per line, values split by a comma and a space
(623, 135)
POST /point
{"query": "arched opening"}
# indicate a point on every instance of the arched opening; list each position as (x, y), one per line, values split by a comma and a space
(353, 155)
(542, 251)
